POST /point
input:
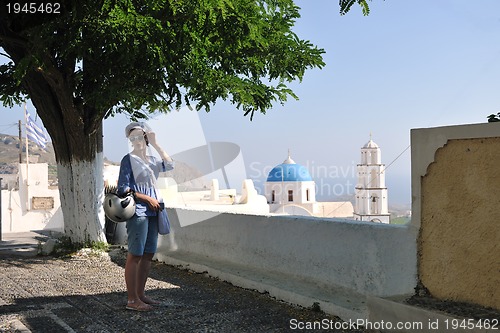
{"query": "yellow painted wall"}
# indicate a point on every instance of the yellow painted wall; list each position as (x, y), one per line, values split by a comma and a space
(459, 240)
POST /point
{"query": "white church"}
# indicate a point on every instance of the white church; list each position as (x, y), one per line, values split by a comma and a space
(371, 193)
(289, 189)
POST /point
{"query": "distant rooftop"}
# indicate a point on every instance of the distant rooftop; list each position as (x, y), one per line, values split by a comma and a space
(289, 171)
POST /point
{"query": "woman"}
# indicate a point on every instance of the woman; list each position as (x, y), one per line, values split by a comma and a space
(138, 173)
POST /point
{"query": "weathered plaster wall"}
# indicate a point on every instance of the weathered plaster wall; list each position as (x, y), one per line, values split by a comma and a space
(458, 243)
(369, 258)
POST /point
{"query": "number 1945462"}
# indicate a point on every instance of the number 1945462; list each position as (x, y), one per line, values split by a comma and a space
(33, 8)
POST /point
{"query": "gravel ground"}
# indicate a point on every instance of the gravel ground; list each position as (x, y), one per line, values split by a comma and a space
(86, 293)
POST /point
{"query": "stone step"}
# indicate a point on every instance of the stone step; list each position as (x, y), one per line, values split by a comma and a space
(390, 315)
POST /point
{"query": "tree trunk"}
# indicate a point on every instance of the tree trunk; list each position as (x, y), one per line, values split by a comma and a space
(76, 133)
(81, 188)
(81, 185)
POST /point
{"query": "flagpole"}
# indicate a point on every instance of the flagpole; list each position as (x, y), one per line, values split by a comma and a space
(37, 135)
(27, 159)
(20, 144)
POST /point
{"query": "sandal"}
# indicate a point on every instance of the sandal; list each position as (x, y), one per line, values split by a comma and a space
(141, 307)
(150, 301)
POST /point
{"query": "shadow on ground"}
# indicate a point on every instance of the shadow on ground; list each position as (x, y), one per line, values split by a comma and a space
(87, 294)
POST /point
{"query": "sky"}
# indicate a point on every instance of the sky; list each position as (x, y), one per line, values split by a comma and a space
(409, 64)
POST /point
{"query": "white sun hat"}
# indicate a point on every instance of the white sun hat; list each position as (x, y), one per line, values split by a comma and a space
(137, 125)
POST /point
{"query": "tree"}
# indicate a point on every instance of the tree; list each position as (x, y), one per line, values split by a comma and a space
(86, 60)
(345, 6)
(494, 118)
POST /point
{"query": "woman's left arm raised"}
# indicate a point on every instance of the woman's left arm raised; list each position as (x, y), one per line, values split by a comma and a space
(163, 154)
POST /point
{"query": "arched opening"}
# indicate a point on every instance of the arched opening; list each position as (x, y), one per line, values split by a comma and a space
(374, 205)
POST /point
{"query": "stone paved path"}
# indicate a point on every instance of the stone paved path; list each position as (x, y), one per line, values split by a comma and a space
(86, 293)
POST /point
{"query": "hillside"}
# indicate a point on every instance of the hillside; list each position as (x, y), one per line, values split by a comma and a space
(9, 158)
(9, 151)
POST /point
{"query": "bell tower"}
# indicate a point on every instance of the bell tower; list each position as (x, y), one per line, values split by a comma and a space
(371, 193)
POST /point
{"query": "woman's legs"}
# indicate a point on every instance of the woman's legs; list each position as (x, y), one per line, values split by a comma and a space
(132, 281)
(142, 242)
(137, 271)
(142, 276)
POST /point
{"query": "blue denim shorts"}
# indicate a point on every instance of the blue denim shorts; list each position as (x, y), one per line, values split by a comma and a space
(142, 233)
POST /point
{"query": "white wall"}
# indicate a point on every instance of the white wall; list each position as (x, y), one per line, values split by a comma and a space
(15, 218)
(18, 215)
(365, 257)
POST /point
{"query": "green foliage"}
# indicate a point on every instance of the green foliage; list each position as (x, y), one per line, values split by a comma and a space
(66, 247)
(136, 57)
(11, 92)
(493, 118)
(345, 6)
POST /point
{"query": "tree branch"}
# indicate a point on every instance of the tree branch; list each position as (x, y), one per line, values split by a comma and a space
(15, 41)
(6, 55)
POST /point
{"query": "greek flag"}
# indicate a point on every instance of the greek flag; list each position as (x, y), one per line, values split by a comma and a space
(35, 133)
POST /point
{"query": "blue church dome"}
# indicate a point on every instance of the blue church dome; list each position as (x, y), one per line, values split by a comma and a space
(289, 171)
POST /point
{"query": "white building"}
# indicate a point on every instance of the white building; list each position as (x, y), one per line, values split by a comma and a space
(34, 206)
(289, 189)
(371, 193)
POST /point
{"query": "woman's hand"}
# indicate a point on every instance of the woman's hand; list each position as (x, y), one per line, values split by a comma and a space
(150, 201)
(151, 138)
